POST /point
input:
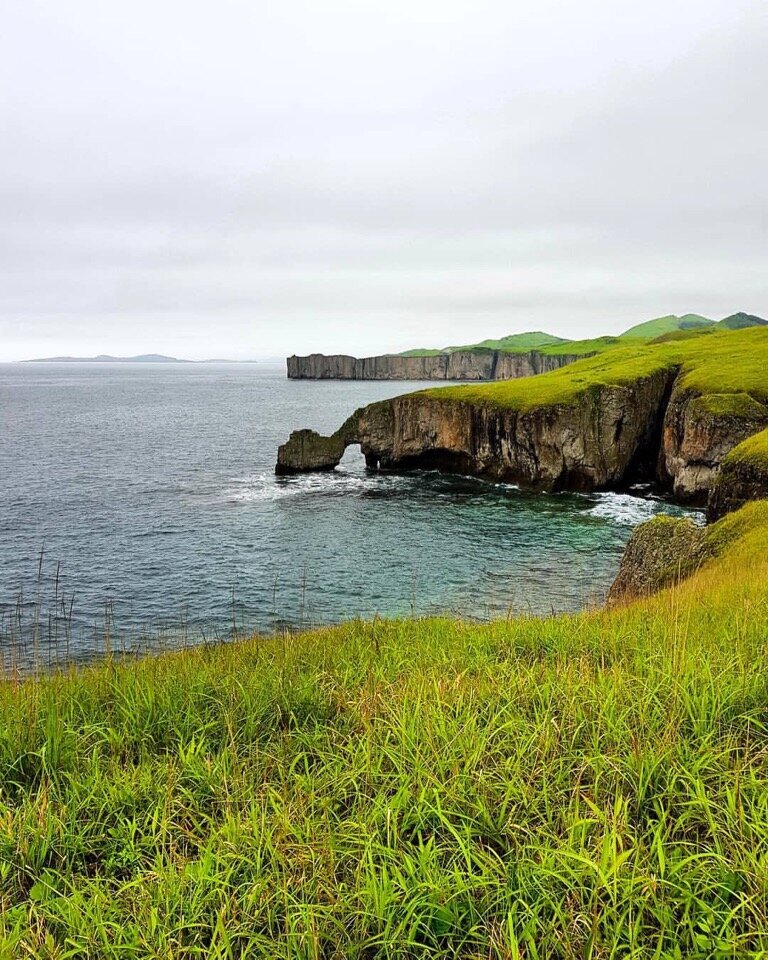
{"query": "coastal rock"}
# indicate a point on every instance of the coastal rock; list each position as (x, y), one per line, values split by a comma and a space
(307, 450)
(606, 438)
(459, 365)
(698, 433)
(660, 552)
(743, 477)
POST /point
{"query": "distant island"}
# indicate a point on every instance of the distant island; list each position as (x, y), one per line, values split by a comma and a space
(140, 358)
(106, 358)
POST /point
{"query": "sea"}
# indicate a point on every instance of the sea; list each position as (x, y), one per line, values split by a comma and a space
(139, 510)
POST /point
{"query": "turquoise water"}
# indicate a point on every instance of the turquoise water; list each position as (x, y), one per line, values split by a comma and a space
(151, 490)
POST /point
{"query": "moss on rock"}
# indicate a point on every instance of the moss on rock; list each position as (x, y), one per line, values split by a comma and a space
(659, 553)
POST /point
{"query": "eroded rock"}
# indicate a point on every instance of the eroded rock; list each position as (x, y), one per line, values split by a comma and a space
(659, 553)
(461, 365)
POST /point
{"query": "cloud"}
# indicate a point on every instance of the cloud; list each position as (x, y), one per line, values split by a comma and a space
(263, 179)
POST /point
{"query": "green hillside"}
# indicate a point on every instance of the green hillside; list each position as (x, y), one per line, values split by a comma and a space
(546, 343)
(661, 325)
(724, 362)
(514, 343)
(739, 321)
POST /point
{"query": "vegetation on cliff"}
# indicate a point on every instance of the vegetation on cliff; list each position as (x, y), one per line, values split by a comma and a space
(753, 451)
(727, 362)
(743, 476)
(590, 785)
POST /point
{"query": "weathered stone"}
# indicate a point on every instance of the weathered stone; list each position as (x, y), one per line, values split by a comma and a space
(659, 553)
(307, 450)
(461, 365)
(738, 482)
(608, 437)
(698, 434)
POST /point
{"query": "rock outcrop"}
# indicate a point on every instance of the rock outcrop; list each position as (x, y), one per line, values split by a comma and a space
(699, 431)
(460, 365)
(607, 437)
(743, 477)
(660, 552)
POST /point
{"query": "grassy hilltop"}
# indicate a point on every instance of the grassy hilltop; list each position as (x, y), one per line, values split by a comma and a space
(580, 786)
(550, 345)
(725, 363)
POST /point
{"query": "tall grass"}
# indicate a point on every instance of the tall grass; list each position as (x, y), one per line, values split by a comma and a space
(582, 786)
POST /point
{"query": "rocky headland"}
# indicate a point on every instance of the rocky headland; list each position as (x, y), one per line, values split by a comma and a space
(664, 413)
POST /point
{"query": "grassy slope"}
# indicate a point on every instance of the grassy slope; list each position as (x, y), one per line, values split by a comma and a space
(668, 324)
(739, 321)
(670, 327)
(580, 786)
(721, 363)
(753, 450)
(514, 343)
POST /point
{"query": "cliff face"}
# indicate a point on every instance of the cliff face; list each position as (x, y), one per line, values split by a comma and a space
(462, 365)
(609, 437)
(743, 477)
(698, 434)
(660, 552)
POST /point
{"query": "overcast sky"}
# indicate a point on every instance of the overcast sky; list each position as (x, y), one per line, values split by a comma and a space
(258, 178)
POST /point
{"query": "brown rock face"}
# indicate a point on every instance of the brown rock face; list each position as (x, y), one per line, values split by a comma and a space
(698, 433)
(462, 365)
(608, 438)
(737, 483)
(307, 451)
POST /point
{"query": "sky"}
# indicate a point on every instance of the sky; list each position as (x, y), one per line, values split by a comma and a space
(255, 179)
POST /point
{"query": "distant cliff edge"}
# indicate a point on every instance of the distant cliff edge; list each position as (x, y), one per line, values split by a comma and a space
(460, 365)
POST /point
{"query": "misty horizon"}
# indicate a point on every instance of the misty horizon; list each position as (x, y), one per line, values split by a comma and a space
(260, 181)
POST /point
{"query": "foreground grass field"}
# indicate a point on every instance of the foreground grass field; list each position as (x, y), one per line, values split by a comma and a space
(581, 786)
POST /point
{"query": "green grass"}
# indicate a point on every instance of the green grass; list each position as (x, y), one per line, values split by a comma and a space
(739, 405)
(722, 363)
(661, 329)
(526, 342)
(753, 450)
(739, 321)
(514, 343)
(590, 786)
(582, 347)
(418, 352)
(668, 324)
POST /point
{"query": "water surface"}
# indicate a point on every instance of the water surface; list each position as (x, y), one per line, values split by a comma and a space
(151, 488)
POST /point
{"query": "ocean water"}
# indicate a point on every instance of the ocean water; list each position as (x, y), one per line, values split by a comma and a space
(140, 501)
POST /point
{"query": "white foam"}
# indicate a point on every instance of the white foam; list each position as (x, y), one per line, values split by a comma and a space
(268, 487)
(628, 510)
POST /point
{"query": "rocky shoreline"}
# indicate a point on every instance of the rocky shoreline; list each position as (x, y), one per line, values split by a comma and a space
(653, 429)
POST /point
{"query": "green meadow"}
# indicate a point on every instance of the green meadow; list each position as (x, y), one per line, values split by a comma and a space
(583, 786)
(725, 362)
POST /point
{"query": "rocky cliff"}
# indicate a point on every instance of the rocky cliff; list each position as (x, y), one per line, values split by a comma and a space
(461, 365)
(660, 552)
(608, 436)
(743, 477)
